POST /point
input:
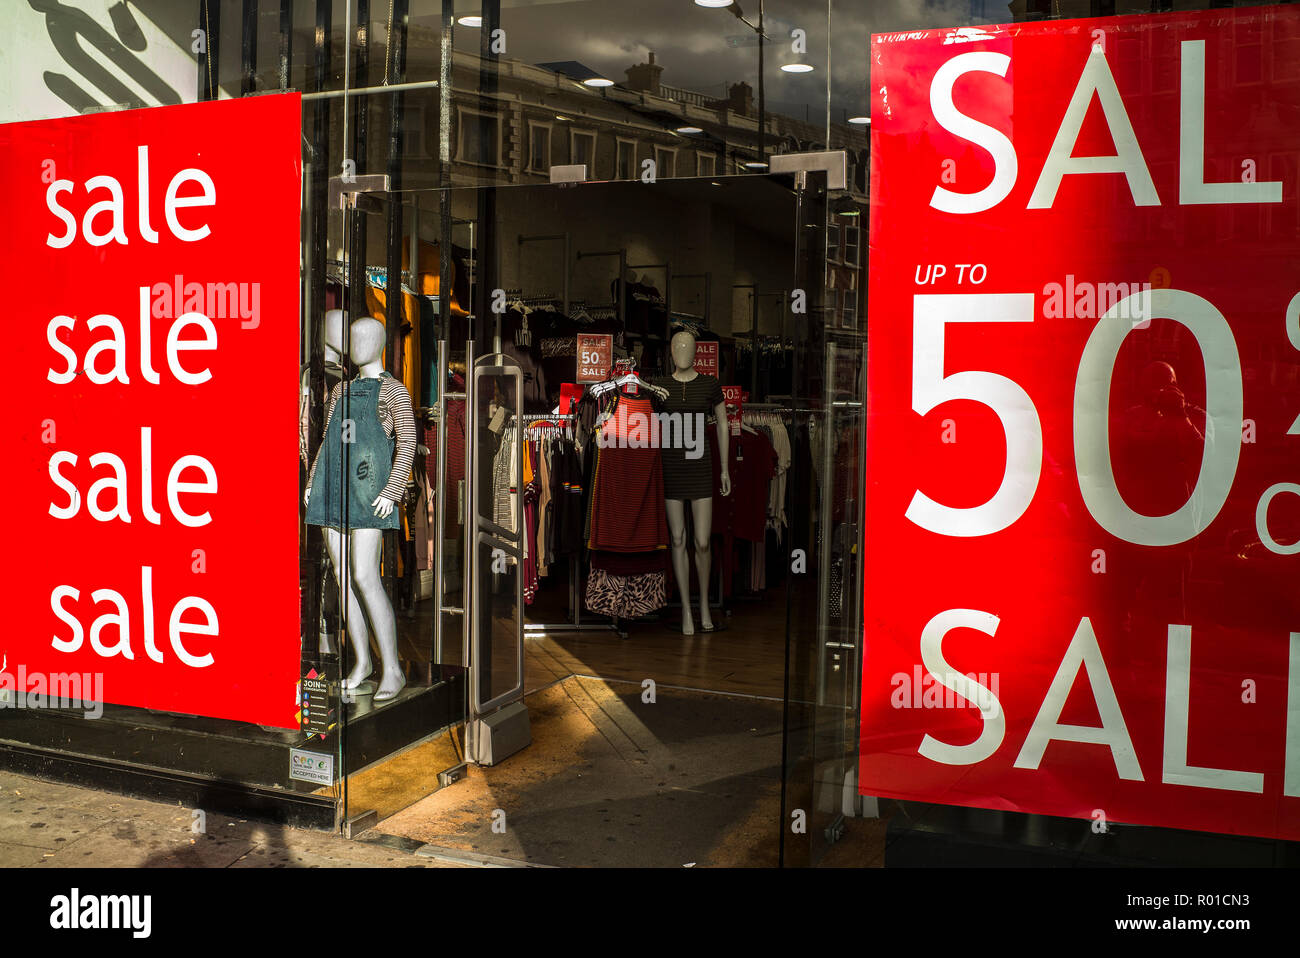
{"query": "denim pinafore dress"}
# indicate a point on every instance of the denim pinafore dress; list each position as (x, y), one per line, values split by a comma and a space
(369, 463)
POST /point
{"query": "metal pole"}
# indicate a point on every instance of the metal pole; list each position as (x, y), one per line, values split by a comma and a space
(286, 44)
(248, 49)
(440, 503)
(762, 106)
(210, 59)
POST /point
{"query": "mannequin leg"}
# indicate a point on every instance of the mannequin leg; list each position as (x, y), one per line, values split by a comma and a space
(367, 544)
(702, 516)
(681, 569)
(357, 631)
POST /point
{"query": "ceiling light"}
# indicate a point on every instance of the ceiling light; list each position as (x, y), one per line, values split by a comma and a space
(797, 67)
(561, 116)
(689, 129)
(860, 120)
(597, 81)
(470, 21)
(756, 165)
(713, 3)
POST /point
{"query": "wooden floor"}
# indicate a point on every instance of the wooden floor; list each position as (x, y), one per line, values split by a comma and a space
(746, 658)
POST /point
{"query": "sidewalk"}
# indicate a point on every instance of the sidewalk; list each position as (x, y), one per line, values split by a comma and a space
(44, 824)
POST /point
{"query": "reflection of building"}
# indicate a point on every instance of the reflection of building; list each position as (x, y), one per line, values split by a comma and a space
(542, 116)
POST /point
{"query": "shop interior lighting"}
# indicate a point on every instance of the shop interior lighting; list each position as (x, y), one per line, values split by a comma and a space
(713, 3)
(689, 129)
(597, 82)
(756, 165)
(797, 67)
(470, 21)
(860, 120)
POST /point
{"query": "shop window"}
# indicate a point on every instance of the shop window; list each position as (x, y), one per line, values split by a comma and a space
(582, 149)
(665, 161)
(625, 164)
(539, 147)
(851, 247)
(478, 138)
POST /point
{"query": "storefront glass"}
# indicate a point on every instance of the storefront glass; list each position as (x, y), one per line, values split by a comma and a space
(431, 134)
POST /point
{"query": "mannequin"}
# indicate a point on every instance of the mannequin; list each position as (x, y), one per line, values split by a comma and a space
(370, 458)
(333, 352)
(691, 481)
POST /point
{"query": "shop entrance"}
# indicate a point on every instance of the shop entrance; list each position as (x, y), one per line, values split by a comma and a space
(621, 618)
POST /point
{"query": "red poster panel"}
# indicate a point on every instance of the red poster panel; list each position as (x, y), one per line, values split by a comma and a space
(735, 400)
(706, 358)
(595, 357)
(1083, 453)
(150, 453)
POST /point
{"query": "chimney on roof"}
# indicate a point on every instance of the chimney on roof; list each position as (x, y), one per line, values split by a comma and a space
(740, 99)
(644, 77)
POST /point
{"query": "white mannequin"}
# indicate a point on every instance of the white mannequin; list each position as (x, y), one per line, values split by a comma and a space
(364, 547)
(333, 335)
(683, 355)
(333, 351)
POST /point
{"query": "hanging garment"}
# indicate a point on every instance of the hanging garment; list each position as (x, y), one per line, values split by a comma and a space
(544, 506)
(626, 597)
(627, 502)
(567, 494)
(531, 494)
(384, 424)
(455, 412)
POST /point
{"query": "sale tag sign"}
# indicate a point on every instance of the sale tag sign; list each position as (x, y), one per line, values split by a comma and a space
(150, 450)
(595, 357)
(1083, 445)
(706, 358)
(733, 396)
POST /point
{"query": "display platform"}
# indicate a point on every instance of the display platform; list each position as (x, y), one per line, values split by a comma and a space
(219, 765)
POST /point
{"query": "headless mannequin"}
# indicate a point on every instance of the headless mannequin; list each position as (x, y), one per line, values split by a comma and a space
(683, 355)
(363, 553)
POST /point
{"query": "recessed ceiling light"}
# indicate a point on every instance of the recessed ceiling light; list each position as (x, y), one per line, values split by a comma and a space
(470, 21)
(597, 81)
(797, 67)
(561, 116)
(860, 120)
(713, 3)
(689, 129)
(715, 183)
(755, 165)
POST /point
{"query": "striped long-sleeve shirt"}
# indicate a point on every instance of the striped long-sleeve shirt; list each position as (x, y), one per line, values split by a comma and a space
(398, 418)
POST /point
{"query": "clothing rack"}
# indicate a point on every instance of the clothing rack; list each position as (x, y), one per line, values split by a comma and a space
(575, 623)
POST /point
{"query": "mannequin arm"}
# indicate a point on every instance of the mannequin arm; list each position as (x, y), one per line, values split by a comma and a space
(399, 401)
(724, 437)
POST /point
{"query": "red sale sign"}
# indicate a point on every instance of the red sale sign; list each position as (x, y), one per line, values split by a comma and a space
(706, 357)
(154, 360)
(1083, 451)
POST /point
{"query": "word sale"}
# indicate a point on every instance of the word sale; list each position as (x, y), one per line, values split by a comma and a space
(108, 482)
